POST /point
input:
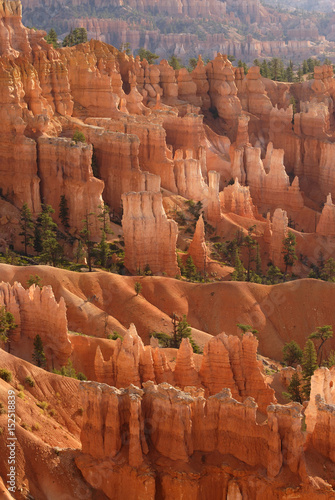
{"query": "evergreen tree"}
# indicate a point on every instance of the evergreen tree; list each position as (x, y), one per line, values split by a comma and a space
(243, 65)
(7, 326)
(292, 354)
(190, 269)
(309, 365)
(38, 353)
(180, 265)
(322, 333)
(289, 244)
(34, 280)
(38, 235)
(182, 330)
(85, 234)
(125, 47)
(175, 62)
(328, 270)
(250, 243)
(240, 272)
(146, 54)
(76, 36)
(27, 227)
(247, 328)
(305, 67)
(103, 247)
(289, 72)
(64, 212)
(79, 253)
(52, 38)
(51, 249)
(192, 63)
(300, 73)
(294, 389)
(265, 72)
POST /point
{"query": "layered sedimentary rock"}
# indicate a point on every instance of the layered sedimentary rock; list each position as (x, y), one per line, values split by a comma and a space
(326, 224)
(223, 91)
(320, 413)
(188, 175)
(227, 363)
(150, 237)
(269, 183)
(65, 170)
(213, 208)
(236, 199)
(36, 312)
(253, 95)
(198, 249)
(279, 230)
(176, 424)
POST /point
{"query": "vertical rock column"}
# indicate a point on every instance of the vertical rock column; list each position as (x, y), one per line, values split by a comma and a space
(150, 237)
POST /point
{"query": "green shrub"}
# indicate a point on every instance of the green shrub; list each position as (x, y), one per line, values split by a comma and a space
(25, 426)
(29, 381)
(43, 405)
(78, 136)
(2, 409)
(6, 375)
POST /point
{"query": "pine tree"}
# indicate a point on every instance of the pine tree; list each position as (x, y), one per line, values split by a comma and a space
(51, 249)
(38, 353)
(190, 269)
(175, 62)
(289, 244)
(34, 280)
(250, 243)
(289, 72)
(27, 227)
(328, 270)
(52, 38)
(182, 330)
(103, 248)
(64, 212)
(240, 272)
(309, 365)
(292, 354)
(7, 326)
(85, 234)
(247, 328)
(125, 47)
(274, 275)
(294, 389)
(265, 72)
(150, 56)
(322, 333)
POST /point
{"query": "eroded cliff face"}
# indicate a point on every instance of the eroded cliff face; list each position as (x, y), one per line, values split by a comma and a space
(36, 312)
(179, 425)
(150, 238)
(146, 127)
